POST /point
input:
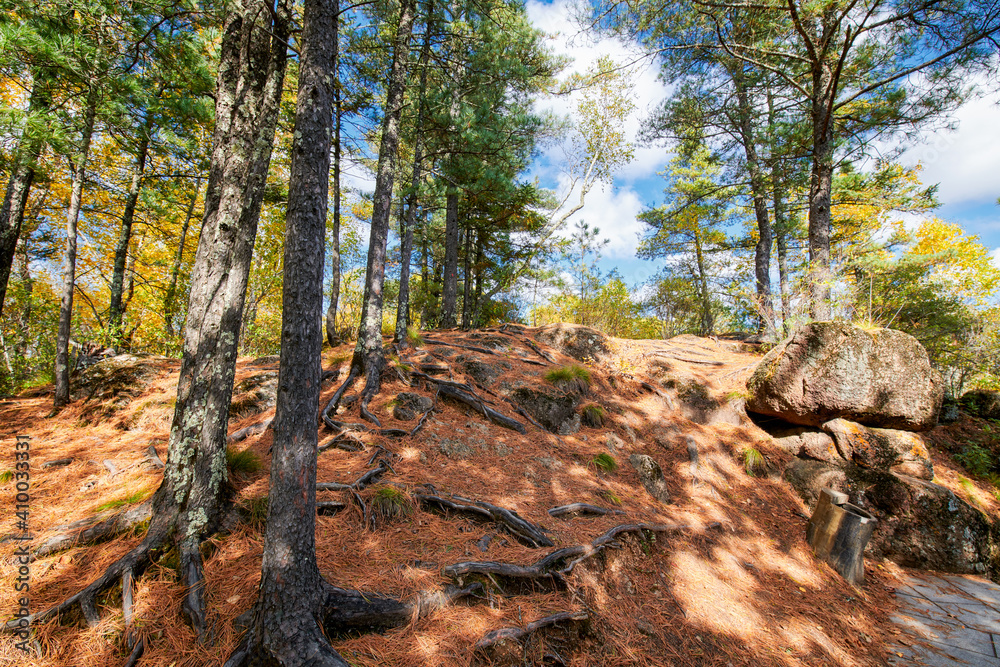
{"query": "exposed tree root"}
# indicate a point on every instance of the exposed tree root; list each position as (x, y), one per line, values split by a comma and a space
(93, 530)
(464, 393)
(553, 568)
(253, 429)
(329, 507)
(524, 531)
(134, 562)
(137, 651)
(509, 641)
(342, 612)
(56, 463)
(344, 441)
(539, 351)
(473, 348)
(581, 509)
(367, 479)
(687, 360)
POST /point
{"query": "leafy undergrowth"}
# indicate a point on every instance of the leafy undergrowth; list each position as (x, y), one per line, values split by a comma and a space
(737, 585)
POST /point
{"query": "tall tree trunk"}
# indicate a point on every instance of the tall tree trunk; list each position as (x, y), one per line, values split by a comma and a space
(69, 261)
(285, 626)
(425, 274)
(409, 219)
(467, 280)
(248, 94)
(170, 298)
(369, 355)
(781, 229)
(331, 312)
(707, 317)
(758, 190)
(477, 299)
(449, 291)
(115, 310)
(19, 186)
(821, 191)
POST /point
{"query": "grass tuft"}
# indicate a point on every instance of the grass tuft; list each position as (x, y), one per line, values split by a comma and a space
(753, 461)
(254, 511)
(413, 336)
(130, 499)
(244, 461)
(611, 497)
(390, 504)
(6, 476)
(605, 462)
(593, 415)
(573, 377)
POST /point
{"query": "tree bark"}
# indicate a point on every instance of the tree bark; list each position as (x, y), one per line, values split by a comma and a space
(251, 75)
(170, 298)
(467, 280)
(19, 186)
(69, 261)
(707, 318)
(449, 291)
(285, 629)
(369, 355)
(821, 181)
(331, 312)
(115, 309)
(758, 190)
(409, 219)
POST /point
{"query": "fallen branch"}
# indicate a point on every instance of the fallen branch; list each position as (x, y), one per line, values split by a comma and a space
(581, 509)
(57, 463)
(524, 531)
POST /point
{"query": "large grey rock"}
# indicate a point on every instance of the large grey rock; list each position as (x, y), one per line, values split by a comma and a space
(580, 342)
(884, 449)
(409, 405)
(921, 524)
(827, 370)
(548, 408)
(651, 476)
(982, 403)
(807, 442)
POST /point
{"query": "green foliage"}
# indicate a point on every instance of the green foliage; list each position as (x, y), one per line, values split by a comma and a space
(573, 377)
(611, 497)
(593, 415)
(976, 459)
(131, 499)
(254, 511)
(389, 504)
(243, 461)
(753, 461)
(604, 462)
(413, 336)
(6, 476)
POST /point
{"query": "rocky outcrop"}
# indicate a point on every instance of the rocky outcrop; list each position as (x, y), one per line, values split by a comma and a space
(982, 403)
(826, 370)
(921, 524)
(409, 406)
(550, 409)
(651, 476)
(883, 449)
(580, 342)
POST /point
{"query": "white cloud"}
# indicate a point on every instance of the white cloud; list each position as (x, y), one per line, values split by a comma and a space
(965, 161)
(613, 209)
(996, 257)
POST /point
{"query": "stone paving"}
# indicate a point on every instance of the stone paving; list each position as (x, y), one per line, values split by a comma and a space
(947, 620)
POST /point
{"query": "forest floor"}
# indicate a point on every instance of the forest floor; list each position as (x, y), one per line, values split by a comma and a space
(733, 582)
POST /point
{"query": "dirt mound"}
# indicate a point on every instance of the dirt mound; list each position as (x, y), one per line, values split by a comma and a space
(578, 563)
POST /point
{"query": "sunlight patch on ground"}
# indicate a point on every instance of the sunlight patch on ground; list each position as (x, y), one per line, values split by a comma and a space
(708, 598)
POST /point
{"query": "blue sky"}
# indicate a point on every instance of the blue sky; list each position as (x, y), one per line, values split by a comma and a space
(965, 162)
